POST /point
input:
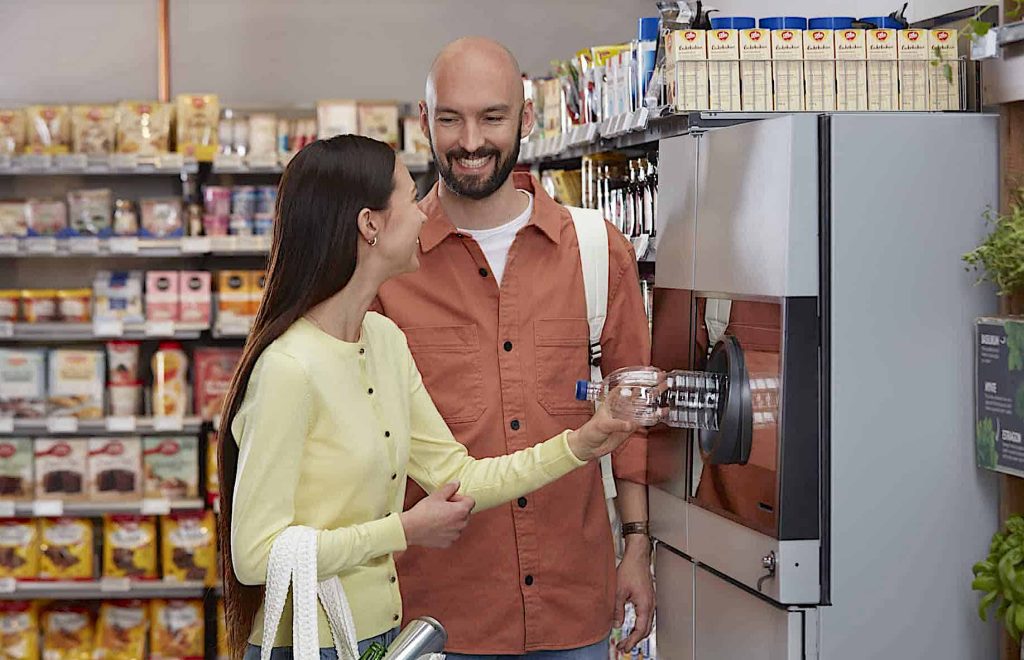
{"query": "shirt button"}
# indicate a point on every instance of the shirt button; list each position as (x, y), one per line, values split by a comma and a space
(507, 346)
(521, 502)
(369, 391)
(528, 580)
(515, 424)
(387, 434)
(483, 272)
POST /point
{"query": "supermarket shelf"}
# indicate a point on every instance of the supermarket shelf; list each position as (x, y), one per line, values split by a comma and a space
(103, 426)
(112, 165)
(223, 330)
(77, 332)
(237, 165)
(56, 508)
(131, 246)
(100, 589)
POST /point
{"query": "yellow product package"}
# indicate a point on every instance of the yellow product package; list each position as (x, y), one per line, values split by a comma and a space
(19, 631)
(177, 629)
(222, 632)
(129, 547)
(19, 548)
(121, 632)
(66, 546)
(190, 547)
(68, 633)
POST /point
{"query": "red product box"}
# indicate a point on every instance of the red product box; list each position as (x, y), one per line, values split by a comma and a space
(213, 368)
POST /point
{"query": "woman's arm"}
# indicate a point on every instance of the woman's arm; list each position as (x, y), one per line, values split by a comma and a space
(272, 427)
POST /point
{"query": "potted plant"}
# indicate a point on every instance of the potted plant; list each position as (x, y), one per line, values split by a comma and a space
(1000, 578)
(1000, 257)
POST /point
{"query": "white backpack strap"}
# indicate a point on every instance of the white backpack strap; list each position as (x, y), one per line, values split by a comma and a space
(592, 235)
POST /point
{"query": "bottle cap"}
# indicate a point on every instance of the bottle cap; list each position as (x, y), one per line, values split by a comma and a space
(783, 23)
(733, 23)
(581, 390)
(831, 23)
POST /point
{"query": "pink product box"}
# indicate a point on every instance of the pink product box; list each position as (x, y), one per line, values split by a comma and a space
(162, 288)
(195, 298)
(217, 200)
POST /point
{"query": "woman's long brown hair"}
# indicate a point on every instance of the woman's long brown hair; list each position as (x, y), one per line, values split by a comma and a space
(312, 256)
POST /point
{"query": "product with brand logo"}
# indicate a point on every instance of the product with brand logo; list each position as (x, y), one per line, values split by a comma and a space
(197, 125)
(74, 305)
(67, 633)
(115, 468)
(178, 629)
(851, 70)
(118, 296)
(129, 547)
(144, 128)
(170, 387)
(19, 630)
(90, 212)
(60, 467)
(22, 382)
(16, 458)
(724, 69)
(943, 91)
(121, 631)
(213, 370)
(171, 466)
(93, 129)
(66, 547)
(49, 131)
(19, 548)
(194, 297)
(883, 74)
(756, 70)
(46, 217)
(162, 295)
(161, 217)
(686, 67)
(12, 131)
(76, 383)
(189, 547)
(913, 59)
(13, 217)
(820, 69)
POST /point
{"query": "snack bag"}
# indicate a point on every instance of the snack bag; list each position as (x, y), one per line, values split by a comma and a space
(190, 547)
(19, 631)
(129, 548)
(19, 548)
(67, 633)
(178, 629)
(121, 632)
(67, 549)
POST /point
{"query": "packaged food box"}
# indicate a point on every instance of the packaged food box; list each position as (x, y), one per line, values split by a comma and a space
(46, 217)
(16, 462)
(129, 547)
(170, 386)
(171, 467)
(39, 305)
(68, 632)
(162, 217)
(197, 116)
(122, 630)
(115, 469)
(214, 369)
(118, 296)
(93, 129)
(76, 383)
(123, 361)
(66, 549)
(194, 297)
(19, 626)
(61, 466)
(48, 128)
(12, 131)
(23, 382)
(13, 218)
(74, 305)
(162, 295)
(19, 548)
(178, 629)
(189, 547)
(10, 305)
(379, 120)
(234, 303)
(91, 212)
(144, 127)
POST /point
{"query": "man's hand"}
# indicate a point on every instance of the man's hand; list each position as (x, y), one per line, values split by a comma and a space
(634, 584)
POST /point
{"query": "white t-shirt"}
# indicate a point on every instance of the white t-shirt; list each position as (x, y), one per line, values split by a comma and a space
(496, 242)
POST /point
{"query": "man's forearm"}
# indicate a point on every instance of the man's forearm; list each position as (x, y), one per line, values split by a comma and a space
(632, 505)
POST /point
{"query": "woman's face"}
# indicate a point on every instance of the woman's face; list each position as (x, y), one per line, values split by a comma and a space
(399, 240)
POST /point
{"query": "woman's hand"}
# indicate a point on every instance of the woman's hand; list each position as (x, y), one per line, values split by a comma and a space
(599, 436)
(437, 521)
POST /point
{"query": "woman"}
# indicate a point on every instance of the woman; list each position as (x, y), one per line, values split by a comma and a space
(327, 412)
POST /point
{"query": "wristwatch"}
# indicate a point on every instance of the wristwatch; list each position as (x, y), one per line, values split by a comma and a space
(636, 528)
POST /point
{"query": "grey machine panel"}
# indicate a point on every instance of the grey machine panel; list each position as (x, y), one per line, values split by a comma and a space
(910, 511)
(757, 209)
(677, 212)
(675, 604)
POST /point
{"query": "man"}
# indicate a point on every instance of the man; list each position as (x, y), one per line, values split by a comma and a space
(496, 318)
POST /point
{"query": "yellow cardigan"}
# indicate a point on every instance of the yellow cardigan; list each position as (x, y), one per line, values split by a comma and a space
(327, 432)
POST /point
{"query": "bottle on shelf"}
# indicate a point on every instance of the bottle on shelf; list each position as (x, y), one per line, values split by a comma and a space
(648, 396)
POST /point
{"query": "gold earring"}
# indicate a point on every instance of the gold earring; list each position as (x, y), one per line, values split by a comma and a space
(373, 242)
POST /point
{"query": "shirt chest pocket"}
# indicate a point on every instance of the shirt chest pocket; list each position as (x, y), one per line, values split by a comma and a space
(562, 359)
(448, 358)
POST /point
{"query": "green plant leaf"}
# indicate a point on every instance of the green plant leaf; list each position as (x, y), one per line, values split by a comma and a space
(986, 583)
(978, 27)
(985, 603)
(1009, 620)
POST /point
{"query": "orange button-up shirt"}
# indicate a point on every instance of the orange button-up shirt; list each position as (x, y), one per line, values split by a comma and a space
(501, 365)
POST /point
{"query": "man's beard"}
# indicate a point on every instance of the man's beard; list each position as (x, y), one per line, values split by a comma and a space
(472, 187)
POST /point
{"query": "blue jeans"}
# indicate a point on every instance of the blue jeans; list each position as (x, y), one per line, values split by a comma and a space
(598, 651)
(252, 652)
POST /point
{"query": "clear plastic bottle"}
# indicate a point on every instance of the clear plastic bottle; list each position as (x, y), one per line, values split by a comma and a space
(648, 396)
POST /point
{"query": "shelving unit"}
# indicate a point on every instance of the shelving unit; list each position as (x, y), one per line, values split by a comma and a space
(57, 508)
(100, 589)
(104, 426)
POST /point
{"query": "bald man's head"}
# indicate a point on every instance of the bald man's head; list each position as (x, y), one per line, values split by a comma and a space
(475, 114)
(469, 55)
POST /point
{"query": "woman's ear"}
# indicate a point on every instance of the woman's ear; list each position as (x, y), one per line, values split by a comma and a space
(369, 226)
